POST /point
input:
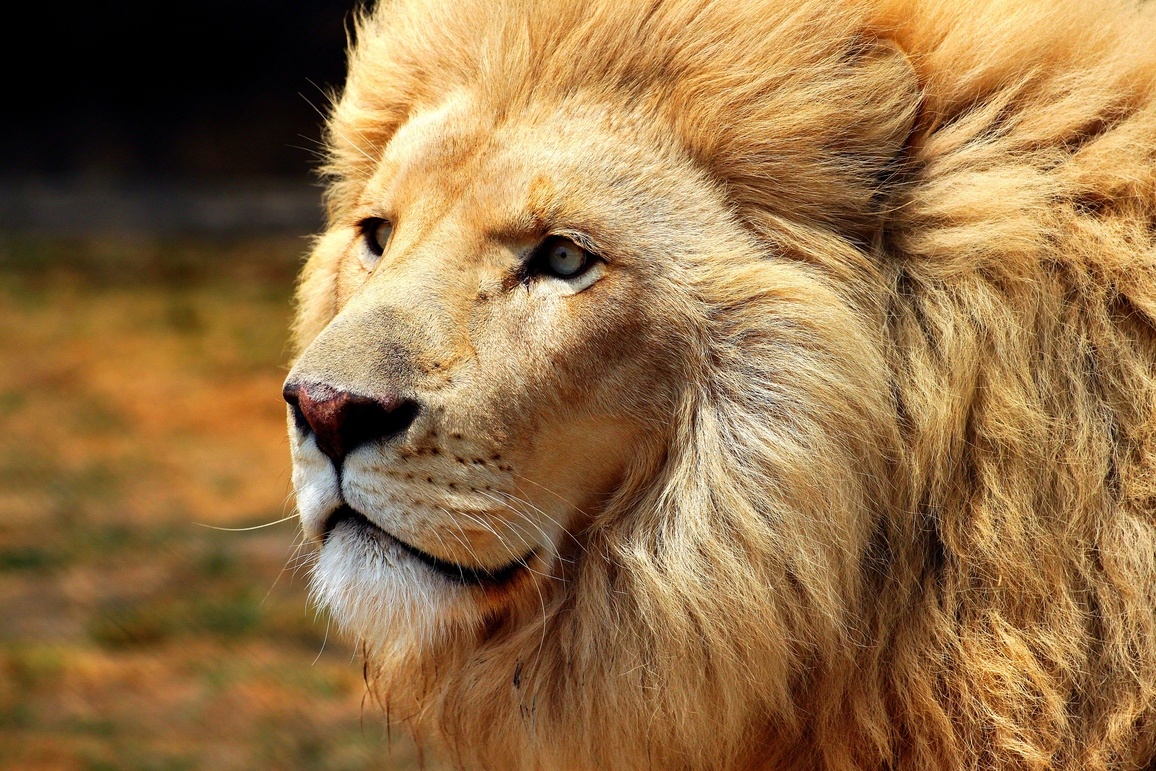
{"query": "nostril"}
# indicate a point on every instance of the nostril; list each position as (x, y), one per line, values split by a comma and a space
(292, 393)
(342, 421)
(369, 419)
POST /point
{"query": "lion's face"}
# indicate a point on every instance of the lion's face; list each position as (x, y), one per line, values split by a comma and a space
(592, 419)
(501, 352)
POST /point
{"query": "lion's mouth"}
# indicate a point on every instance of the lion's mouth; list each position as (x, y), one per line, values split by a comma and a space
(451, 571)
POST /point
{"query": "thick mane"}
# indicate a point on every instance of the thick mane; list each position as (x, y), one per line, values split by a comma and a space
(905, 515)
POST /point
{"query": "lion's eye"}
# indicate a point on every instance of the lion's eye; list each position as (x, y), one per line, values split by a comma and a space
(376, 232)
(562, 257)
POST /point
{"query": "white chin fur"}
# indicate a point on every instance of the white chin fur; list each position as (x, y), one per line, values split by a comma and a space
(384, 596)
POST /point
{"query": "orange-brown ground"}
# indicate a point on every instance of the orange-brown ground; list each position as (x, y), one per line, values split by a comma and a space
(139, 402)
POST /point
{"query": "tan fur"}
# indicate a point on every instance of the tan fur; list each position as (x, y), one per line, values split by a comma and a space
(855, 441)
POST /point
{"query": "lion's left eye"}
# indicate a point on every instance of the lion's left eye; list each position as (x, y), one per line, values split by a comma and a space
(561, 257)
(376, 232)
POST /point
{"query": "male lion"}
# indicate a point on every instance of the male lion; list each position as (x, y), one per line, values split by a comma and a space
(762, 384)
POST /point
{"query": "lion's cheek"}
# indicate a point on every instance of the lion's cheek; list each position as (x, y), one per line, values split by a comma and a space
(580, 464)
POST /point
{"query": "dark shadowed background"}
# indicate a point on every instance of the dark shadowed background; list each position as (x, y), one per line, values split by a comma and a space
(126, 101)
(155, 198)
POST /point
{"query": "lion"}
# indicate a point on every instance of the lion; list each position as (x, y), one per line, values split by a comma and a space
(760, 384)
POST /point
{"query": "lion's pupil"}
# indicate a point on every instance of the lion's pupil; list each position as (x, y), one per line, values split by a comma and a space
(565, 261)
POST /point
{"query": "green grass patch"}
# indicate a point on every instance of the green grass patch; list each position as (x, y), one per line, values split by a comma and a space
(29, 558)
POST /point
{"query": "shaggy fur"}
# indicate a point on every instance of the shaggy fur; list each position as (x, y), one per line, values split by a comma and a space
(892, 503)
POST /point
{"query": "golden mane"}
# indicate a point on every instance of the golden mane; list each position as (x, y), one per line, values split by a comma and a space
(953, 369)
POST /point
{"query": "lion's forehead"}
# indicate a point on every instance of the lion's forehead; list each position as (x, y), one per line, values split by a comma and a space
(509, 177)
(437, 140)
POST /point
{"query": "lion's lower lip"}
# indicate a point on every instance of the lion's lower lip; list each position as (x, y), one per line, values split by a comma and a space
(458, 574)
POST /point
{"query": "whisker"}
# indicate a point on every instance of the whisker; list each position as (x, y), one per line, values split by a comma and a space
(521, 500)
(246, 529)
(522, 538)
(463, 539)
(478, 520)
(522, 515)
(325, 117)
(324, 640)
(296, 547)
(543, 487)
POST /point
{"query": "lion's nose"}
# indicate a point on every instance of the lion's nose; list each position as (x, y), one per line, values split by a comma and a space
(342, 421)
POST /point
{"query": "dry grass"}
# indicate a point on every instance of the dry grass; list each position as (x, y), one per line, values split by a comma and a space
(139, 396)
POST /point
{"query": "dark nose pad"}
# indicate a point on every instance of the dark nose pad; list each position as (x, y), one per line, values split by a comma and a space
(342, 422)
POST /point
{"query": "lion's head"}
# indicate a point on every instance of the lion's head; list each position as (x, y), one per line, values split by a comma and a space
(608, 413)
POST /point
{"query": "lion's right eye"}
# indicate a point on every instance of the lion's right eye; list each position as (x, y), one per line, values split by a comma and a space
(562, 258)
(376, 233)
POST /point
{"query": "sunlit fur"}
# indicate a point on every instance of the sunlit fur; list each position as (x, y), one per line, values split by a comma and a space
(901, 509)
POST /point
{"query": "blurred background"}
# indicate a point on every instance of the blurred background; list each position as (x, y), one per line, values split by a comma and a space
(156, 199)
